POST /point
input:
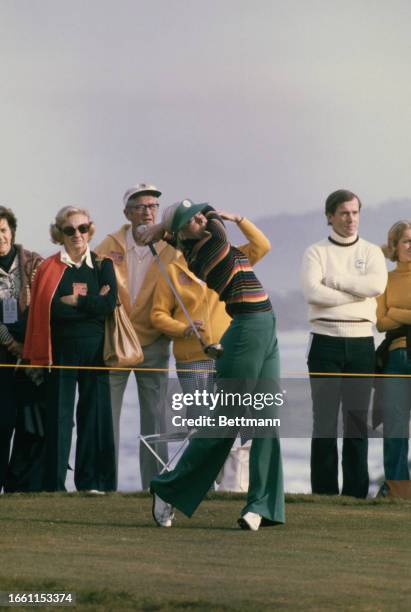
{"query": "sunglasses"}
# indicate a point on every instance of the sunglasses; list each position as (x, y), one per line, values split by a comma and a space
(69, 230)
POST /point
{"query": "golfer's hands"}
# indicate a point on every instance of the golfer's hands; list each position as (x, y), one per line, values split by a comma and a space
(229, 216)
(152, 233)
(189, 330)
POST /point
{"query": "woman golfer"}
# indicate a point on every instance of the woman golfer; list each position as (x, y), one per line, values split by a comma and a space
(250, 354)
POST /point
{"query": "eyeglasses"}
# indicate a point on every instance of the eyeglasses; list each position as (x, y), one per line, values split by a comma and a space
(69, 230)
(142, 207)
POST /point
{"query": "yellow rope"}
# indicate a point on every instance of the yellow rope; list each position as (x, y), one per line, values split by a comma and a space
(103, 368)
(111, 369)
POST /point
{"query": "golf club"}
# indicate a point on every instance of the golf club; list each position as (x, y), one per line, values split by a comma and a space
(213, 350)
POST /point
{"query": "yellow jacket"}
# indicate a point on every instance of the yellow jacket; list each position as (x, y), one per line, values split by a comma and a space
(114, 246)
(394, 305)
(201, 302)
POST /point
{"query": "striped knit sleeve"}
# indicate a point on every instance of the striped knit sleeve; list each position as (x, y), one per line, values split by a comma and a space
(215, 223)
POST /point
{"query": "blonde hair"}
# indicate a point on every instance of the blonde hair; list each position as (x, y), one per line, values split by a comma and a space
(63, 214)
(394, 236)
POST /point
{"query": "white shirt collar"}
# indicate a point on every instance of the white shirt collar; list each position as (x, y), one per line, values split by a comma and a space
(65, 258)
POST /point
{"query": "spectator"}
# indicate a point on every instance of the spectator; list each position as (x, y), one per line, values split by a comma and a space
(72, 294)
(17, 270)
(394, 317)
(137, 274)
(341, 277)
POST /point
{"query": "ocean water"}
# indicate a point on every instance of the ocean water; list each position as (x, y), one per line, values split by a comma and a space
(295, 451)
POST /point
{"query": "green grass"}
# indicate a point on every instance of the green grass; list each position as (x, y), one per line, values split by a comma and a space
(333, 554)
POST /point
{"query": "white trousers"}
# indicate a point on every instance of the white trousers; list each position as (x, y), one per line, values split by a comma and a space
(152, 390)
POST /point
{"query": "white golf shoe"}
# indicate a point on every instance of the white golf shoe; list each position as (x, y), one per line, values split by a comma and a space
(250, 521)
(162, 512)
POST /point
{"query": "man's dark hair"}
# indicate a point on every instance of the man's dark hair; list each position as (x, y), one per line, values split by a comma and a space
(8, 214)
(338, 197)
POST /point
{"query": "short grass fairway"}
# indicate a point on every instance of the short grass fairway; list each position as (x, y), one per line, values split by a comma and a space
(333, 554)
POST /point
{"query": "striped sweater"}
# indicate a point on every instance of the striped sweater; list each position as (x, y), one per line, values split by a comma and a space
(225, 268)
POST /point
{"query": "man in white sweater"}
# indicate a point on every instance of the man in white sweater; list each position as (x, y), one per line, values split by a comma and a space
(341, 277)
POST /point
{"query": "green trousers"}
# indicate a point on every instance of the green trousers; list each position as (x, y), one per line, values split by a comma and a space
(250, 355)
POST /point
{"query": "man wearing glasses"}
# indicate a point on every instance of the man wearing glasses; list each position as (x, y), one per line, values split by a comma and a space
(136, 274)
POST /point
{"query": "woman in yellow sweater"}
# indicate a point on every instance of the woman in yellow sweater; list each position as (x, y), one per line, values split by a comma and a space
(394, 317)
(195, 370)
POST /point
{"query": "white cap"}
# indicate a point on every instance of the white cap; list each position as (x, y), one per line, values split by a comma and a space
(142, 188)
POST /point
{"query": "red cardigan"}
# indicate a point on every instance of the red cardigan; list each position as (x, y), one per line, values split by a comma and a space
(37, 344)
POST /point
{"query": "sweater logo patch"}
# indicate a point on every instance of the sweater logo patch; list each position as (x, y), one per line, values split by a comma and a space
(79, 288)
(117, 257)
(184, 279)
(361, 265)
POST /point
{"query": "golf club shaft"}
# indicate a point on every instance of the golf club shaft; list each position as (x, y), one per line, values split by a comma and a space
(175, 292)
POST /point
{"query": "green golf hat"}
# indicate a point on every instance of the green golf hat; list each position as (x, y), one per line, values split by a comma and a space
(183, 212)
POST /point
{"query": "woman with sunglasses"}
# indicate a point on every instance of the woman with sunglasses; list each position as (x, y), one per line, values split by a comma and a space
(72, 295)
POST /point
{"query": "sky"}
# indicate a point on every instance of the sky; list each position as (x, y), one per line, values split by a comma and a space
(258, 107)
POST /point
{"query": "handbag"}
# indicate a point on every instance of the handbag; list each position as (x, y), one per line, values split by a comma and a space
(122, 348)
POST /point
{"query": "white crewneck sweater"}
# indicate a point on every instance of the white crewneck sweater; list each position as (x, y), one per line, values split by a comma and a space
(341, 277)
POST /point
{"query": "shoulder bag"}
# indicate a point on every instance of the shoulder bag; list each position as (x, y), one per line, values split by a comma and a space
(122, 348)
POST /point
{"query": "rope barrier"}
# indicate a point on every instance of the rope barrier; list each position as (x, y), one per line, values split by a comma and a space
(102, 368)
(175, 370)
